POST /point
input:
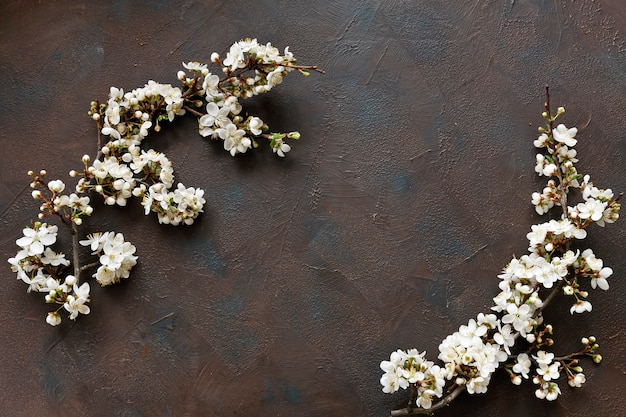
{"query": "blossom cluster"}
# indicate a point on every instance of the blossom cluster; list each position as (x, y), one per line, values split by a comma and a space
(472, 354)
(122, 169)
(125, 170)
(116, 256)
(37, 265)
(249, 68)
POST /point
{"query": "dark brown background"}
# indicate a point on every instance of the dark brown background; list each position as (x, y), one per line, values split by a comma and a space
(385, 227)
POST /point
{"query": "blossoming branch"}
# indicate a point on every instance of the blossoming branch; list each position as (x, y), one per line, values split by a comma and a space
(121, 169)
(514, 337)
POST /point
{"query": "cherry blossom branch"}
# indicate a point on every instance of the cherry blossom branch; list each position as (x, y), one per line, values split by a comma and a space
(474, 352)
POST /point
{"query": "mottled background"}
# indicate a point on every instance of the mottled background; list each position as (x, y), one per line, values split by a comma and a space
(385, 227)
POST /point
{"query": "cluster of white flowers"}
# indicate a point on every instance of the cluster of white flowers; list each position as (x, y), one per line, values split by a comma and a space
(69, 207)
(269, 66)
(116, 256)
(173, 207)
(251, 68)
(476, 350)
(126, 169)
(41, 268)
(411, 367)
(122, 169)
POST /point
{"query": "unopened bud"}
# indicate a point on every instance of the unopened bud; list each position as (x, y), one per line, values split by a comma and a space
(181, 75)
(215, 57)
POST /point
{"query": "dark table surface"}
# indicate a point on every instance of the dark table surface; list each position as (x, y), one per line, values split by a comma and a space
(385, 226)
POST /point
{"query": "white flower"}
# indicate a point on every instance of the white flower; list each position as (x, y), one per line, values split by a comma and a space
(210, 83)
(53, 258)
(549, 372)
(75, 305)
(425, 400)
(235, 140)
(599, 279)
(544, 357)
(548, 390)
(591, 209)
(275, 77)
(197, 67)
(82, 291)
(541, 141)
(564, 135)
(215, 117)
(522, 365)
(280, 147)
(94, 241)
(519, 317)
(505, 337)
(53, 318)
(546, 274)
(35, 240)
(56, 186)
(393, 378)
(256, 126)
(577, 380)
(580, 307)
(234, 57)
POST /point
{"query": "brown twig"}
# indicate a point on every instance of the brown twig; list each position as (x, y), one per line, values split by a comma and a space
(444, 402)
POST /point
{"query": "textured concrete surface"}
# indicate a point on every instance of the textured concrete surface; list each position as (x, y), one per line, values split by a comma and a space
(385, 227)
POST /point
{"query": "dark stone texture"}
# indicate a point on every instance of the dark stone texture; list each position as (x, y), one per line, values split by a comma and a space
(385, 227)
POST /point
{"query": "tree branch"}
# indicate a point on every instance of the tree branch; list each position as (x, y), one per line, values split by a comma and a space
(444, 402)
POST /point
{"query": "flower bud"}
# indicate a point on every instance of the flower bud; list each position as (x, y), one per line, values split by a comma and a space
(597, 358)
(181, 75)
(53, 319)
(96, 116)
(36, 194)
(215, 57)
(78, 221)
(70, 280)
(86, 159)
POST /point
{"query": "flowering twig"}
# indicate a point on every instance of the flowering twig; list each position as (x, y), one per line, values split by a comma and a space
(121, 169)
(472, 354)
